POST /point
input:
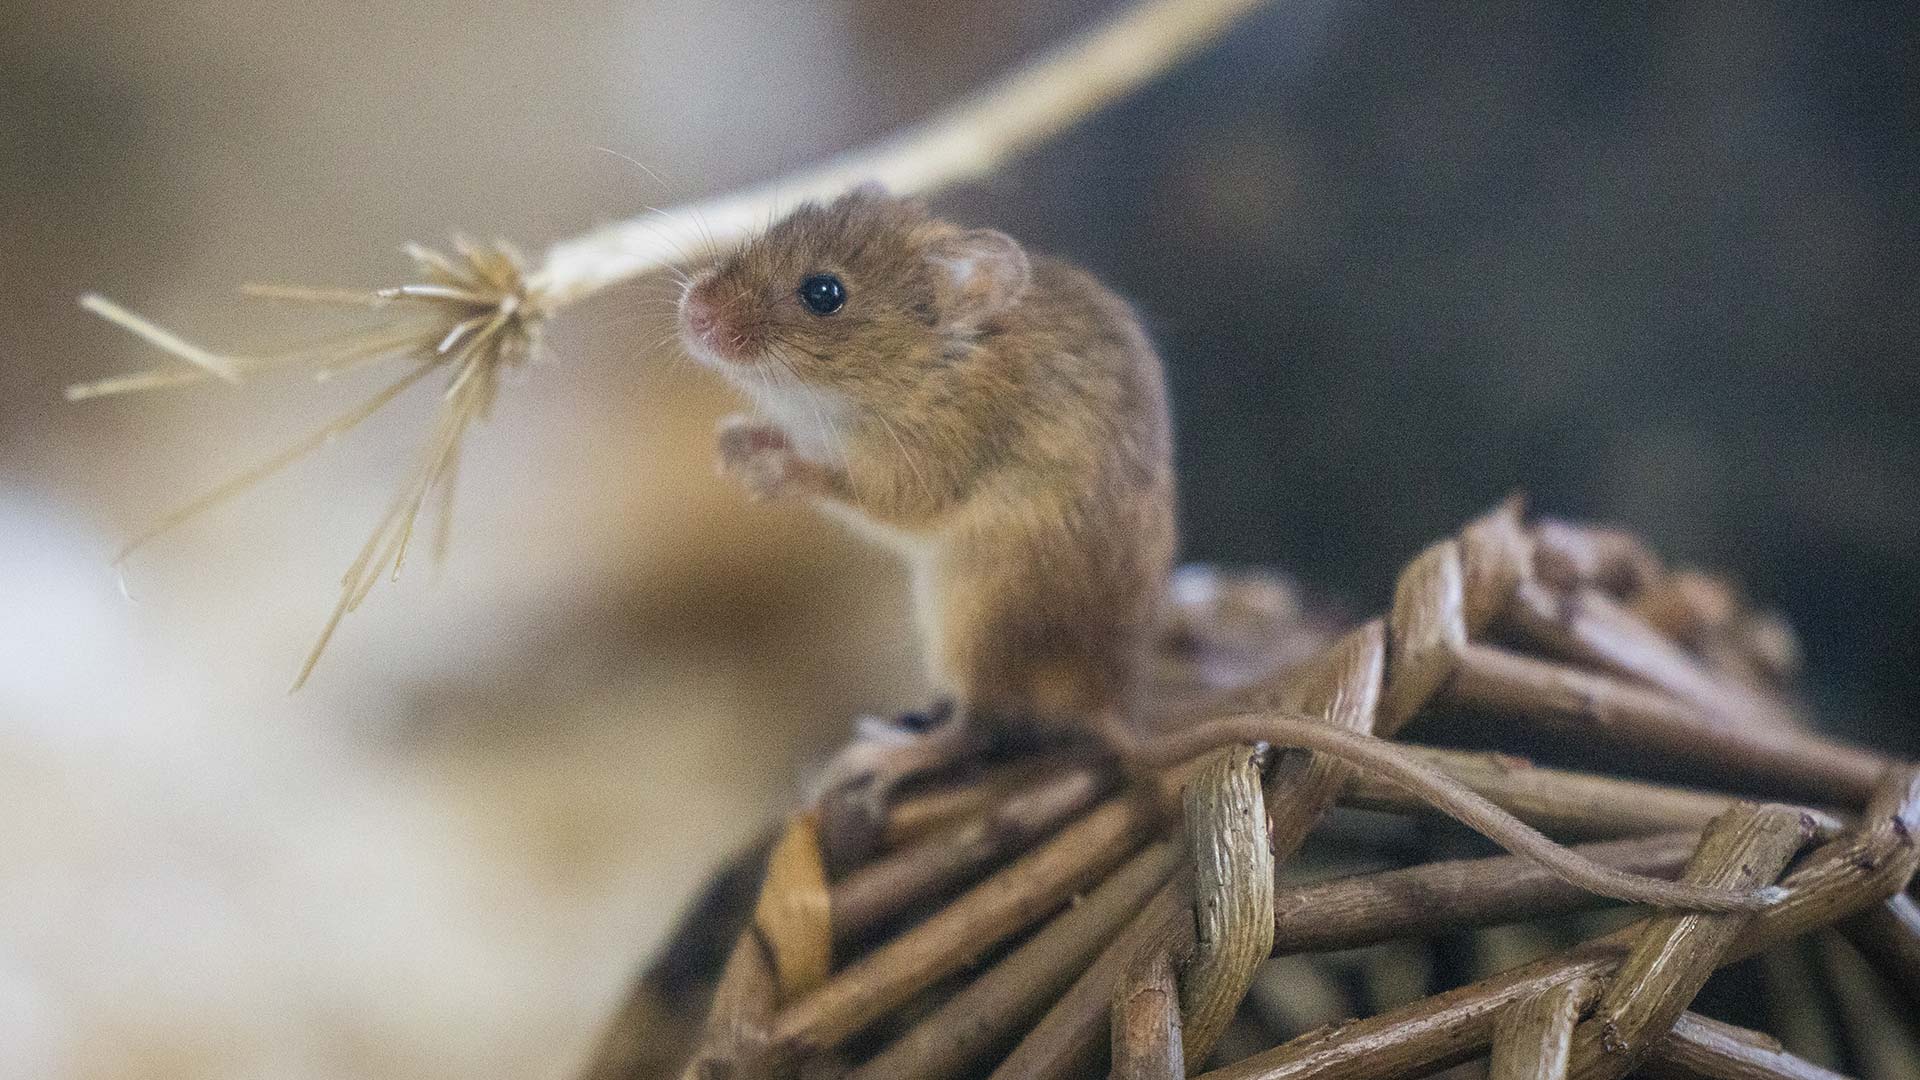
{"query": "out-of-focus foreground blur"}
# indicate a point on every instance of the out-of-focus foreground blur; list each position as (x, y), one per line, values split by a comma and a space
(1657, 269)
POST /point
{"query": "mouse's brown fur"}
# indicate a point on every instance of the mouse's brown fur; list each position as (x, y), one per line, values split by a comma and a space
(998, 420)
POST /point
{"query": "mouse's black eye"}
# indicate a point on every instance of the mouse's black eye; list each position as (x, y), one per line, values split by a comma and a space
(823, 294)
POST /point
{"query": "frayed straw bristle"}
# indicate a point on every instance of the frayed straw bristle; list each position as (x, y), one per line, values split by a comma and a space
(471, 314)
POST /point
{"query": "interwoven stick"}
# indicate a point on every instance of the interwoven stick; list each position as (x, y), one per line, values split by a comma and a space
(918, 816)
(793, 915)
(735, 1040)
(1534, 1037)
(1673, 954)
(1445, 794)
(1148, 1042)
(1427, 636)
(1586, 708)
(1074, 1035)
(1497, 571)
(985, 1015)
(1343, 688)
(1588, 627)
(1705, 614)
(883, 888)
(989, 913)
(1888, 935)
(1880, 1037)
(1454, 588)
(1876, 859)
(785, 951)
(1429, 623)
(1351, 912)
(1571, 555)
(1699, 1048)
(1226, 823)
(1426, 629)
(1561, 803)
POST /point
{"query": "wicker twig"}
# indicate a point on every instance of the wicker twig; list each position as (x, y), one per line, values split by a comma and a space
(1533, 1039)
(1003, 905)
(1347, 913)
(1699, 1048)
(1343, 689)
(1148, 1042)
(1673, 954)
(985, 1015)
(1162, 974)
(1590, 628)
(1562, 803)
(1873, 861)
(1888, 935)
(1226, 820)
(793, 916)
(883, 888)
(1070, 1040)
(921, 815)
(1592, 707)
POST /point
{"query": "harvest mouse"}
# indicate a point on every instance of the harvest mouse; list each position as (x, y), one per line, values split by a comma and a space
(999, 421)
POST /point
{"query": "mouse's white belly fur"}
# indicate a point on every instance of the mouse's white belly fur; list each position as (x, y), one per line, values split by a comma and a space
(817, 422)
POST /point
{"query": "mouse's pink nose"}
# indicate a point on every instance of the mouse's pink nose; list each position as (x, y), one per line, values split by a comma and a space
(697, 311)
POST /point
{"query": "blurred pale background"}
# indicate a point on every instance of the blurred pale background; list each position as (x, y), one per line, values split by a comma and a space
(1658, 269)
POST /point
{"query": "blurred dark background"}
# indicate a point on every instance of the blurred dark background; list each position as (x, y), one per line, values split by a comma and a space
(1654, 265)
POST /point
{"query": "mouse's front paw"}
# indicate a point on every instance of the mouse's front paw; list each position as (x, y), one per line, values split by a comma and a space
(754, 453)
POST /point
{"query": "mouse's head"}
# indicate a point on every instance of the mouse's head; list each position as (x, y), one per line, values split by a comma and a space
(858, 295)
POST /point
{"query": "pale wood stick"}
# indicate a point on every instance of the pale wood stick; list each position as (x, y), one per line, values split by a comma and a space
(1699, 1048)
(1392, 762)
(1879, 1033)
(1592, 708)
(921, 815)
(1875, 860)
(881, 889)
(1226, 823)
(1534, 1037)
(1673, 954)
(1147, 1039)
(1888, 935)
(1568, 805)
(989, 913)
(1343, 688)
(1420, 901)
(985, 1016)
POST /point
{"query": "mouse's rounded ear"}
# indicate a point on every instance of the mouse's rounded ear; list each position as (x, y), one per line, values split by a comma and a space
(986, 272)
